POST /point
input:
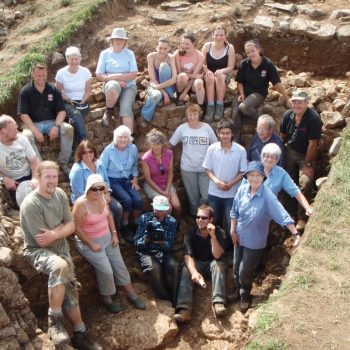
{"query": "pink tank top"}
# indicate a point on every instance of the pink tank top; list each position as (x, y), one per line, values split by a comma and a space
(95, 225)
(188, 63)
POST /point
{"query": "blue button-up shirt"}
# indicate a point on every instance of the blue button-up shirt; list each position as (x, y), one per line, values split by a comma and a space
(169, 226)
(255, 148)
(113, 164)
(78, 177)
(253, 215)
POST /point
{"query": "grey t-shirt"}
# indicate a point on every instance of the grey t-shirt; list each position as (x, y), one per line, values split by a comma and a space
(38, 212)
(195, 143)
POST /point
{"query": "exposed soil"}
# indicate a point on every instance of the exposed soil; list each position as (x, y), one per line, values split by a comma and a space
(319, 58)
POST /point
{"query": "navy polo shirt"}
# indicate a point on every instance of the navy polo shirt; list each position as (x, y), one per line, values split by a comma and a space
(309, 128)
(257, 79)
(40, 106)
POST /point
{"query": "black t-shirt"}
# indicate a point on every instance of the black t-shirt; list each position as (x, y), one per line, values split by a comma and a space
(309, 128)
(257, 80)
(200, 248)
(40, 106)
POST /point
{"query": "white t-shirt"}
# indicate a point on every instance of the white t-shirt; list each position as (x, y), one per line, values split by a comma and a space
(14, 159)
(73, 84)
(195, 143)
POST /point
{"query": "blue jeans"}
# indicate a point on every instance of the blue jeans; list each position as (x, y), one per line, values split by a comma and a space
(66, 135)
(155, 95)
(129, 198)
(214, 269)
(245, 264)
(76, 119)
(222, 208)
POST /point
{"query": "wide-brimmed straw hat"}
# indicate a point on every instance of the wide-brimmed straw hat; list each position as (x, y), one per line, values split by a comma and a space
(95, 180)
(118, 33)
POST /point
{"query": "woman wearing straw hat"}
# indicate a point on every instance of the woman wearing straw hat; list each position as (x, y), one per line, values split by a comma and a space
(117, 69)
(97, 242)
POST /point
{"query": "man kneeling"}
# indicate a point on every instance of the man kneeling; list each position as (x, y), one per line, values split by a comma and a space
(204, 248)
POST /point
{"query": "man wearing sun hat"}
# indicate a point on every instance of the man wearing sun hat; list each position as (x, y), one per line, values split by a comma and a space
(301, 131)
(46, 221)
(117, 69)
(154, 240)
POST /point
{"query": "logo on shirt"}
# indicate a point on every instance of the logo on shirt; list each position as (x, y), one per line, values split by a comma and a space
(263, 73)
(16, 160)
(50, 97)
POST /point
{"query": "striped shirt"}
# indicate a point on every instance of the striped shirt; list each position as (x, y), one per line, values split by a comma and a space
(225, 166)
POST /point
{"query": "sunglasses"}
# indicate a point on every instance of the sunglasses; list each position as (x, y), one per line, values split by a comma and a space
(95, 189)
(88, 152)
(161, 168)
(202, 217)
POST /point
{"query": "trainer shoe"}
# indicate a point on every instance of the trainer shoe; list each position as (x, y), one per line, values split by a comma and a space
(113, 307)
(138, 303)
(183, 316)
(107, 116)
(56, 331)
(219, 113)
(219, 310)
(82, 341)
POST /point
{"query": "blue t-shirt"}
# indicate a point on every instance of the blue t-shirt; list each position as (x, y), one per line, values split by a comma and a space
(111, 62)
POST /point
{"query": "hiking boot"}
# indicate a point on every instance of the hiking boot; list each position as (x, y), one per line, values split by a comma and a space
(56, 331)
(127, 234)
(107, 117)
(82, 341)
(300, 225)
(219, 310)
(219, 113)
(209, 113)
(183, 316)
(244, 305)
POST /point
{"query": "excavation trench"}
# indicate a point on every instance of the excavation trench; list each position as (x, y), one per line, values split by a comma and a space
(316, 61)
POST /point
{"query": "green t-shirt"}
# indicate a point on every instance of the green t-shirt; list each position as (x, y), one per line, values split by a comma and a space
(38, 212)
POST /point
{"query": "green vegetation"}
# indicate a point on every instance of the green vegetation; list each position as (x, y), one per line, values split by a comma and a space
(21, 71)
(65, 3)
(270, 344)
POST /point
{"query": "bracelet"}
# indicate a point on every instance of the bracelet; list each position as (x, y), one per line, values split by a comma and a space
(114, 231)
(57, 126)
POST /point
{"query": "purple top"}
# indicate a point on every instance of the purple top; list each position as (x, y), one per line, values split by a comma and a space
(159, 171)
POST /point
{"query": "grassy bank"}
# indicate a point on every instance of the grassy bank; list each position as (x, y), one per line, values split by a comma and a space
(312, 308)
(79, 13)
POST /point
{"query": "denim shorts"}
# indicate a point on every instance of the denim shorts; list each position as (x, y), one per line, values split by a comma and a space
(126, 97)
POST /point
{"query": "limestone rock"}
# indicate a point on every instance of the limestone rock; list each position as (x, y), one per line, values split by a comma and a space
(333, 150)
(339, 14)
(311, 12)
(343, 34)
(175, 5)
(162, 18)
(338, 104)
(6, 256)
(317, 30)
(289, 8)
(19, 15)
(264, 22)
(57, 58)
(332, 119)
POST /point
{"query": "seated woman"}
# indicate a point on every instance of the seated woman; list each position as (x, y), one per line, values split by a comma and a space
(189, 63)
(120, 158)
(162, 72)
(117, 69)
(74, 82)
(193, 174)
(253, 77)
(219, 63)
(157, 168)
(86, 164)
(97, 242)
(253, 208)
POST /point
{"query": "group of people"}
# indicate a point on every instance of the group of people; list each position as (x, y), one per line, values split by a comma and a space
(232, 192)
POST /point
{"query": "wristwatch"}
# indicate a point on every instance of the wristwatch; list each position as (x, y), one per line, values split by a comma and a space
(308, 164)
(57, 126)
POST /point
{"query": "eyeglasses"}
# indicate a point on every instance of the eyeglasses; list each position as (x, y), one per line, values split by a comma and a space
(95, 189)
(88, 152)
(202, 217)
(161, 168)
(261, 130)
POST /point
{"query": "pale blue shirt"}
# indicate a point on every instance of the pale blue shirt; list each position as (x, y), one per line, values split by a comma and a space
(113, 164)
(279, 180)
(111, 62)
(253, 215)
(225, 166)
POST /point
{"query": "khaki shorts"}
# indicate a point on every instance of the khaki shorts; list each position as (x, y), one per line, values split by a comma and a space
(60, 269)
